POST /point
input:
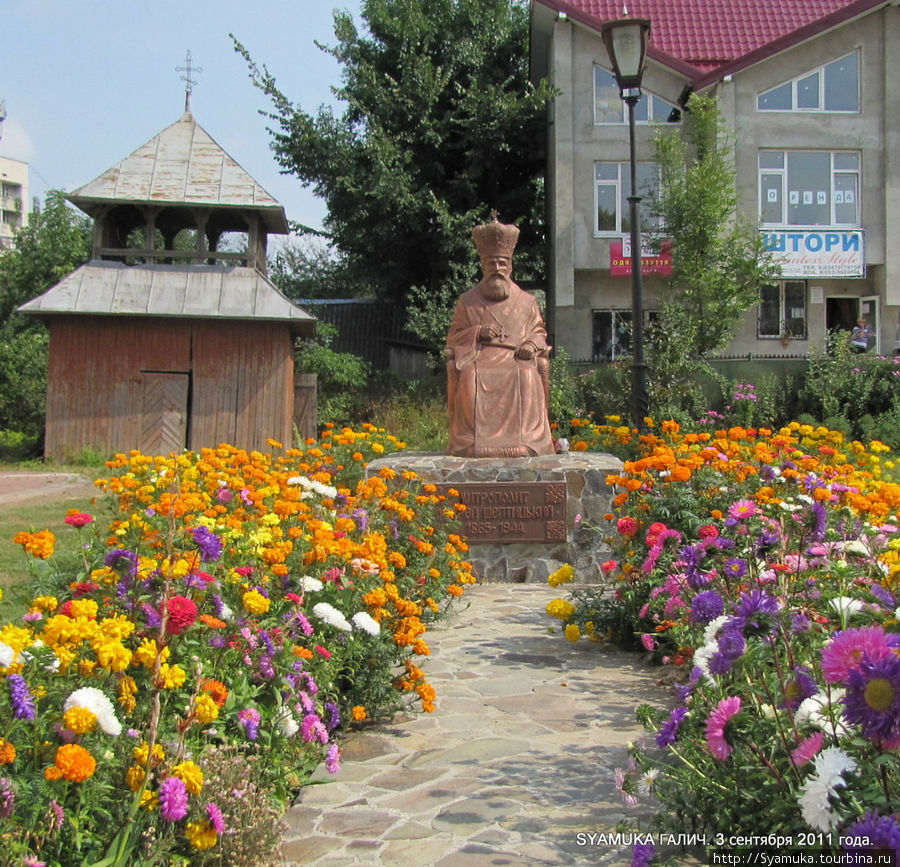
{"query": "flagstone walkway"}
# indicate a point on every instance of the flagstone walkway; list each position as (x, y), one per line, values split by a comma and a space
(514, 767)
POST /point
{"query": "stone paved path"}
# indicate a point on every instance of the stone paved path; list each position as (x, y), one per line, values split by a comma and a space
(514, 764)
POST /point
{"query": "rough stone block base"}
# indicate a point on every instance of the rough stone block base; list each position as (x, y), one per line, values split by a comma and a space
(589, 498)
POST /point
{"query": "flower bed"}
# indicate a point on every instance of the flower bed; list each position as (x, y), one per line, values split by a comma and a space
(764, 567)
(163, 700)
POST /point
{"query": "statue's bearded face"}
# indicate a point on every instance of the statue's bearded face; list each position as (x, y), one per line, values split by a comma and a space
(497, 272)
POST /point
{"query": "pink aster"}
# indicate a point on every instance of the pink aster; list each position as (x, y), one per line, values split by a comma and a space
(173, 799)
(742, 509)
(847, 649)
(715, 726)
(807, 749)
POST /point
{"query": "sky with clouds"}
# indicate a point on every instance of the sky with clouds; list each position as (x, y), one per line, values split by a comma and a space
(86, 83)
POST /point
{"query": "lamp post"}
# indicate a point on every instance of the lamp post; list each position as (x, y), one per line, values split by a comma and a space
(626, 42)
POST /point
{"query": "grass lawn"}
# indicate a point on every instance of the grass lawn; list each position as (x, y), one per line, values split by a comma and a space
(40, 514)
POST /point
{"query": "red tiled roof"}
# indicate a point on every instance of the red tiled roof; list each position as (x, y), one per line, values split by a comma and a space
(708, 34)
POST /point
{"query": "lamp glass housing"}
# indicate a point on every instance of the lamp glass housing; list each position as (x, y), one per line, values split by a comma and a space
(626, 42)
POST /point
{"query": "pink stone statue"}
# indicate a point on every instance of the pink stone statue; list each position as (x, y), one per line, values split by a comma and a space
(498, 367)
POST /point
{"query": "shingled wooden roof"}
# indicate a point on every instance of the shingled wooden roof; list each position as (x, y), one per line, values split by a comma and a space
(209, 292)
(182, 165)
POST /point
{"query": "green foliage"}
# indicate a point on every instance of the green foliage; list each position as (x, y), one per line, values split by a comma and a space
(718, 260)
(50, 246)
(564, 404)
(415, 409)
(310, 269)
(862, 390)
(441, 124)
(342, 377)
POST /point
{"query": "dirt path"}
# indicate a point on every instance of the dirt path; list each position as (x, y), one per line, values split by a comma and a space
(27, 487)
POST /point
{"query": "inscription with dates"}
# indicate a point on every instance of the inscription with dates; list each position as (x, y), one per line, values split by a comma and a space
(512, 511)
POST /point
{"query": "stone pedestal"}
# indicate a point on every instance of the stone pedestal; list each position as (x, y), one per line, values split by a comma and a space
(588, 499)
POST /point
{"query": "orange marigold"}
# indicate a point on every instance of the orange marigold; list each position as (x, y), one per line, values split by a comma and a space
(73, 763)
(7, 752)
(358, 712)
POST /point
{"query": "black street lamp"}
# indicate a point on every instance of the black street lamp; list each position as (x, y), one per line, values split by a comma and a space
(626, 42)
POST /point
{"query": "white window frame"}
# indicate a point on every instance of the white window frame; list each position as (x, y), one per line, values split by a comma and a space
(834, 172)
(655, 104)
(621, 184)
(795, 83)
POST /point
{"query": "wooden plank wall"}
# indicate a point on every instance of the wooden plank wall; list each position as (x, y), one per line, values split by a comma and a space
(242, 381)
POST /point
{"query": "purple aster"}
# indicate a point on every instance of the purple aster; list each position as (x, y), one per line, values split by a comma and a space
(800, 622)
(218, 641)
(21, 697)
(266, 669)
(641, 854)
(799, 687)
(755, 602)
(152, 619)
(820, 520)
(732, 645)
(7, 798)
(707, 606)
(333, 759)
(361, 518)
(122, 560)
(249, 718)
(873, 698)
(209, 543)
(307, 702)
(264, 637)
(668, 731)
(883, 595)
(216, 819)
(332, 715)
(882, 832)
(173, 799)
(735, 567)
(56, 815)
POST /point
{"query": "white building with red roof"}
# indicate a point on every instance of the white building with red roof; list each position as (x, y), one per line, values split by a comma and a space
(811, 91)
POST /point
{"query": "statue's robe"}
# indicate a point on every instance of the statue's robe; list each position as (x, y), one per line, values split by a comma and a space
(497, 402)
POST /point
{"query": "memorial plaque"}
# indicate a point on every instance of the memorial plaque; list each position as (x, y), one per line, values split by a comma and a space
(512, 511)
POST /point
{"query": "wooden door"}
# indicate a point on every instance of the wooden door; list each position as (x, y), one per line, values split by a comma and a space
(165, 413)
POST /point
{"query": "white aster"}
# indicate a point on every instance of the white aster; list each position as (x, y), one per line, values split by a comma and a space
(7, 655)
(830, 766)
(310, 585)
(713, 627)
(817, 710)
(286, 723)
(645, 783)
(333, 617)
(98, 704)
(364, 621)
(310, 485)
(847, 606)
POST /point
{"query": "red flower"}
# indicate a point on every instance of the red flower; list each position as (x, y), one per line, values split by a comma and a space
(83, 588)
(78, 519)
(182, 613)
(244, 571)
(708, 531)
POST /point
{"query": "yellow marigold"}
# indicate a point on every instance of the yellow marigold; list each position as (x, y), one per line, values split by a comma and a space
(44, 603)
(73, 763)
(255, 602)
(201, 834)
(83, 608)
(142, 753)
(560, 608)
(564, 574)
(134, 777)
(358, 712)
(206, 709)
(171, 676)
(127, 691)
(80, 720)
(455, 590)
(111, 654)
(7, 752)
(573, 633)
(191, 774)
(147, 652)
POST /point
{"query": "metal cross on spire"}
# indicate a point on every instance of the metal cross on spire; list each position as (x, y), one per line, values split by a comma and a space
(188, 81)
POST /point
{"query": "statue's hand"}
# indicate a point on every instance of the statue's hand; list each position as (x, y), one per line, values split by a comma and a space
(487, 333)
(525, 352)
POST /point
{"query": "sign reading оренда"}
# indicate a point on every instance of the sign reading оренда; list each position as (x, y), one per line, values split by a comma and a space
(512, 511)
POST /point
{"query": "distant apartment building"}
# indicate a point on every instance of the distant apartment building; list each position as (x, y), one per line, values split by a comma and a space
(14, 201)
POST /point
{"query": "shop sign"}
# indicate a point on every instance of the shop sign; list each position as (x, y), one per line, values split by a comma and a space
(656, 257)
(818, 253)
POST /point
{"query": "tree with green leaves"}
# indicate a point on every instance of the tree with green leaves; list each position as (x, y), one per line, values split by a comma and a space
(441, 126)
(53, 243)
(719, 263)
